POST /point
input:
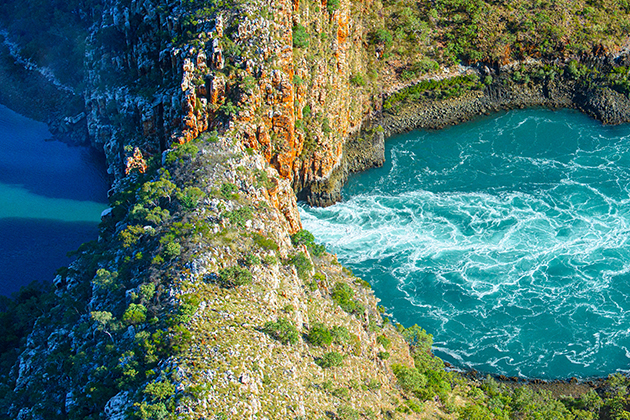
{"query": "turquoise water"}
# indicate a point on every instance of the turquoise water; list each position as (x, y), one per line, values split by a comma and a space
(51, 198)
(507, 238)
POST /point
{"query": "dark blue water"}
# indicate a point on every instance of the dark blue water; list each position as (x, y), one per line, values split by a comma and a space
(507, 238)
(51, 197)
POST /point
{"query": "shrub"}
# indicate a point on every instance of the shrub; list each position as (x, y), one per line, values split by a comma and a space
(300, 36)
(172, 250)
(190, 197)
(319, 335)
(282, 330)
(381, 36)
(357, 80)
(306, 111)
(238, 217)
(135, 314)
(130, 235)
(180, 151)
(343, 295)
(234, 276)
(160, 390)
(332, 5)
(104, 280)
(302, 264)
(303, 237)
(374, 384)
(251, 259)
(383, 341)
(147, 290)
(317, 249)
(346, 412)
(269, 260)
(330, 359)
(340, 334)
(229, 191)
(383, 355)
(409, 379)
(264, 242)
(342, 393)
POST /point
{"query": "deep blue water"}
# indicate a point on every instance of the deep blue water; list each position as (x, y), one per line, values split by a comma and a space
(51, 198)
(507, 238)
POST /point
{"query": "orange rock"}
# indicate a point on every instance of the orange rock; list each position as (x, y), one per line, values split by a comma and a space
(135, 162)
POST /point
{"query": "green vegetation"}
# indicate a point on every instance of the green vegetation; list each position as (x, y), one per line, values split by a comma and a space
(483, 30)
(302, 264)
(300, 36)
(320, 335)
(282, 330)
(343, 295)
(330, 360)
(332, 6)
(234, 276)
(435, 89)
(304, 237)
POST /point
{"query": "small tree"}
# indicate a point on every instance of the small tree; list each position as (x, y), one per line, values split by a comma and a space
(135, 314)
(300, 36)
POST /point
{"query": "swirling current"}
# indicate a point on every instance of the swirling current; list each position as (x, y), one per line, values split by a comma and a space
(507, 238)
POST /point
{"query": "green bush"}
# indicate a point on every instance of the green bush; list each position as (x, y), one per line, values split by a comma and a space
(135, 314)
(332, 5)
(300, 36)
(383, 355)
(282, 330)
(317, 249)
(190, 197)
(381, 36)
(345, 412)
(238, 217)
(172, 250)
(343, 295)
(251, 259)
(357, 80)
(303, 237)
(147, 290)
(180, 151)
(409, 379)
(330, 359)
(234, 276)
(341, 393)
(229, 191)
(319, 335)
(384, 341)
(264, 242)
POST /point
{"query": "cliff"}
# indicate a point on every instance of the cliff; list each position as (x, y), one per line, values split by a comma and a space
(202, 297)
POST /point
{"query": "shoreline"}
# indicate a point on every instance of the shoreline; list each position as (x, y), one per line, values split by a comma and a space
(365, 149)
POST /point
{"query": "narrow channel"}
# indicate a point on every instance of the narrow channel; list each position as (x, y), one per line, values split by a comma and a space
(507, 238)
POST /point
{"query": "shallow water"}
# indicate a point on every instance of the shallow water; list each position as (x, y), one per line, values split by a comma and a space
(51, 198)
(507, 238)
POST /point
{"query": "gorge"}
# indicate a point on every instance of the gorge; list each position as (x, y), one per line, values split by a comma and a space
(203, 297)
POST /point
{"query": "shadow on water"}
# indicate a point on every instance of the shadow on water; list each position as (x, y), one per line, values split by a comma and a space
(48, 168)
(32, 249)
(51, 197)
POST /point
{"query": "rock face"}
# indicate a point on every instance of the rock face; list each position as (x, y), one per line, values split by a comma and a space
(243, 72)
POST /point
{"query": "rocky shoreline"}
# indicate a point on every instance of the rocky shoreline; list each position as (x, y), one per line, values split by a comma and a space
(599, 102)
